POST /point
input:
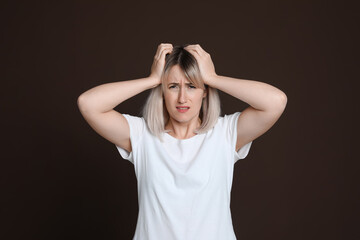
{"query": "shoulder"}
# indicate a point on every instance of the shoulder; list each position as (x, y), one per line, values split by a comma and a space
(134, 120)
(228, 119)
(137, 125)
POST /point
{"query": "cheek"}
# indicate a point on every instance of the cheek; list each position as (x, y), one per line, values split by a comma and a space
(168, 98)
(198, 98)
(168, 101)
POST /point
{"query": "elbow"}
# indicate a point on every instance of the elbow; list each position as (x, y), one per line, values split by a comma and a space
(278, 103)
(81, 103)
(281, 102)
(283, 99)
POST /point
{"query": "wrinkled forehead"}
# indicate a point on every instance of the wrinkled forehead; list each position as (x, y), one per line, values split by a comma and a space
(177, 75)
(182, 80)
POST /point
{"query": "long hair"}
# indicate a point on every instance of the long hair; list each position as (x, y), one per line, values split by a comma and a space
(154, 110)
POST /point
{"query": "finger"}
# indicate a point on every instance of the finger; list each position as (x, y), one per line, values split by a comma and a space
(163, 45)
(165, 51)
(196, 48)
(192, 46)
(194, 52)
(160, 51)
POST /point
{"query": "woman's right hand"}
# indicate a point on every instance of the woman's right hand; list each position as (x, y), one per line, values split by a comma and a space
(159, 61)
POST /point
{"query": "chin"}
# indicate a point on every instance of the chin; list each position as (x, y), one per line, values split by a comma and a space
(182, 118)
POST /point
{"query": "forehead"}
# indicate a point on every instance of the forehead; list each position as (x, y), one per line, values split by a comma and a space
(176, 74)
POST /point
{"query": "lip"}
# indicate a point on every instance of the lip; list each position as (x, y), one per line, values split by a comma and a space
(182, 109)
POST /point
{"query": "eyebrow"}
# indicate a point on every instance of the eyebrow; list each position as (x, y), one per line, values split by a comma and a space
(188, 83)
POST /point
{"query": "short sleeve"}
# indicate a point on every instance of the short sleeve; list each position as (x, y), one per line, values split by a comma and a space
(231, 123)
(137, 126)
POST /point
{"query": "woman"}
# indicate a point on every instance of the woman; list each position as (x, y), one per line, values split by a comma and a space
(183, 151)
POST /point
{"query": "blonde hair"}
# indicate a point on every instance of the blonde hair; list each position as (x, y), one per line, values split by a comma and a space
(154, 110)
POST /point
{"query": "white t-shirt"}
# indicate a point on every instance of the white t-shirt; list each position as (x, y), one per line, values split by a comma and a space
(184, 184)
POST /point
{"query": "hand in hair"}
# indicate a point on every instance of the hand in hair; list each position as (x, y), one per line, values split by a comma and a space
(159, 60)
(206, 65)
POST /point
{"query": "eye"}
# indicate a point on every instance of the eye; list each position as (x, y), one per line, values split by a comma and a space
(172, 86)
(192, 86)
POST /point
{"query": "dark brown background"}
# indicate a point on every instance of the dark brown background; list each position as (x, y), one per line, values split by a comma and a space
(61, 180)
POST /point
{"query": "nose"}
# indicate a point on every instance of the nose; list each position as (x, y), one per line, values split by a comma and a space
(182, 96)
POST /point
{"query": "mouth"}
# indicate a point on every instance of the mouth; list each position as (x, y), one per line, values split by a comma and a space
(182, 109)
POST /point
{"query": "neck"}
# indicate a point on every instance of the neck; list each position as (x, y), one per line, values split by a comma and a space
(182, 130)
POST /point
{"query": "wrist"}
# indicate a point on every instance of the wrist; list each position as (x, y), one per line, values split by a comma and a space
(155, 81)
(211, 80)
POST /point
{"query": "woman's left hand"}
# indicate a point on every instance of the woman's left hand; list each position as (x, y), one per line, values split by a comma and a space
(206, 65)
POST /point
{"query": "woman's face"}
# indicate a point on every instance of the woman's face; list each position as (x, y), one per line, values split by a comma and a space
(182, 99)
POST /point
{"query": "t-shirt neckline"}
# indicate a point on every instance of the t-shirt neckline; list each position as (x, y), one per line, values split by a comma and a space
(181, 140)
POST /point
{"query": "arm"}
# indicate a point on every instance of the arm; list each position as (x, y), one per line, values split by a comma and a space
(105, 97)
(267, 103)
(96, 104)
